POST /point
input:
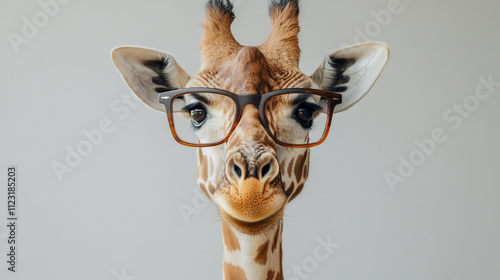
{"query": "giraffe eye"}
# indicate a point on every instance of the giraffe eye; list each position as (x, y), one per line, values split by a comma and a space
(198, 115)
(304, 114)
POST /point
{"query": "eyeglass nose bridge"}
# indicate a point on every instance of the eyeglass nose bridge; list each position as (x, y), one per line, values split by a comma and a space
(249, 99)
(256, 100)
(243, 100)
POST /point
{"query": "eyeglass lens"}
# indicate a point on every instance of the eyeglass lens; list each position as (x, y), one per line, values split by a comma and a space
(293, 118)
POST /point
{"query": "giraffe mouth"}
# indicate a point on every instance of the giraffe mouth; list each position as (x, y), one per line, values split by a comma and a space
(254, 227)
(250, 207)
(250, 194)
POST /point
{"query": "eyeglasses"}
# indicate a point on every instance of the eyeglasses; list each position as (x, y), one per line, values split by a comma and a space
(205, 117)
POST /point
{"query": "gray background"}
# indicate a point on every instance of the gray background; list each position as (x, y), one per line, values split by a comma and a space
(116, 215)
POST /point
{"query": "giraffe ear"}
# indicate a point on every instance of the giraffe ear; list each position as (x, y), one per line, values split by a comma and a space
(352, 71)
(149, 72)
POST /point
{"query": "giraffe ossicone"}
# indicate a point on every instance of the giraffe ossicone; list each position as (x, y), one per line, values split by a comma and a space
(253, 158)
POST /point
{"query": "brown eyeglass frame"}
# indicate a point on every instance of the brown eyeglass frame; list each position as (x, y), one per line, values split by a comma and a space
(258, 100)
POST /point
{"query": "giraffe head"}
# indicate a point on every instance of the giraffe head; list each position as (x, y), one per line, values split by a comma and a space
(251, 174)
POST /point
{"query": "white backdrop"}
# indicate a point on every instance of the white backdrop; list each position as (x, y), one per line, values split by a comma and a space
(115, 212)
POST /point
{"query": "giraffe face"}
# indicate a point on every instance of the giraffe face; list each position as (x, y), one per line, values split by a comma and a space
(250, 177)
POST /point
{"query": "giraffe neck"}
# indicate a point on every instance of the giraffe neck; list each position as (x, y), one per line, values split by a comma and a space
(252, 257)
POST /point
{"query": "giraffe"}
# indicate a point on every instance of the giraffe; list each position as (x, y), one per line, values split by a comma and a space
(252, 171)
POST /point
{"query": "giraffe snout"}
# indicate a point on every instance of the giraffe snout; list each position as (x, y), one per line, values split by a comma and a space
(240, 168)
(250, 195)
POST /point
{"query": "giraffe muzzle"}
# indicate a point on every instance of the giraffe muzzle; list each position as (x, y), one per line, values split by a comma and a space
(251, 191)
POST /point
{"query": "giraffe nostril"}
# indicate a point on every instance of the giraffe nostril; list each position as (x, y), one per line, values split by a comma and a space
(265, 170)
(269, 168)
(237, 170)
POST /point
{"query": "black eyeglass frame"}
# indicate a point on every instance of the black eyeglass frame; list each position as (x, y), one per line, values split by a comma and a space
(259, 101)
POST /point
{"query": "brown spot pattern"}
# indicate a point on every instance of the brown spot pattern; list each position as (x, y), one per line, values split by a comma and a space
(299, 189)
(270, 275)
(211, 188)
(289, 191)
(280, 276)
(290, 165)
(275, 240)
(306, 165)
(230, 239)
(232, 272)
(261, 257)
(299, 166)
(204, 168)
